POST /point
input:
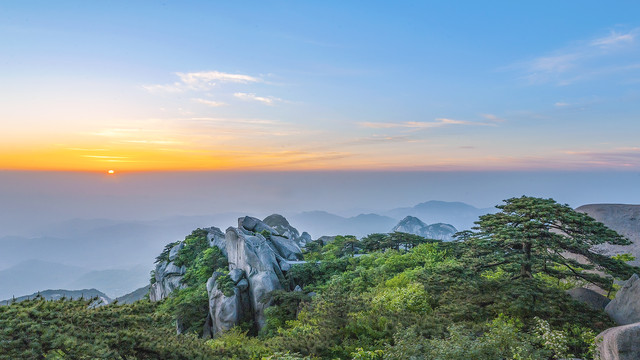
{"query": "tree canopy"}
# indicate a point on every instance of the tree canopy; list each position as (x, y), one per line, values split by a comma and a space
(531, 236)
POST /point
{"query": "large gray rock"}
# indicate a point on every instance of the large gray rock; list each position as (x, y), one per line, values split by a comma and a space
(304, 239)
(625, 220)
(254, 225)
(287, 248)
(625, 308)
(591, 298)
(174, 251)
(413, 225)
(216, 238)
(168, 278)
(255, 255)
(620, 343)
(227, 311)
(281, 225)
(324, 240)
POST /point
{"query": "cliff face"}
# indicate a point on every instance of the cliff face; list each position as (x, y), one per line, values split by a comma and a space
(258, 257)
(625, 219)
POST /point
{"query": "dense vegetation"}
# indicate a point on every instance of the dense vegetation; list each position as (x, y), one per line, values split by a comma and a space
(496, 294)
(73, 329)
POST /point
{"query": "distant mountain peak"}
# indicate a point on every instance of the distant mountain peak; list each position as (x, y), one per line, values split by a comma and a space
(444, 204)
(438, 231)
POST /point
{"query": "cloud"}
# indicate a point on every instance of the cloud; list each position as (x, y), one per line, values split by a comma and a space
(615, 38)
(201, 81)
(561, 104)
(582, 60)
(253, 97)
(626, 157)
(493, 118)
(439, 122)
(209, 102)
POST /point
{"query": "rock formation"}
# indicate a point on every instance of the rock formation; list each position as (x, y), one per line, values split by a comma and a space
(413, 225)
(282, 227)
(591, 298)
(625, 308)
(620, 343)
(625, 219)
(227, 310)
(258, 255)
(168, 276)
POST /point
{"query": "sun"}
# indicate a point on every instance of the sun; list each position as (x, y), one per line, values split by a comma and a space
(111, 172)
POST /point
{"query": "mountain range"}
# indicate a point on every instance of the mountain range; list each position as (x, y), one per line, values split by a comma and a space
(116, 256)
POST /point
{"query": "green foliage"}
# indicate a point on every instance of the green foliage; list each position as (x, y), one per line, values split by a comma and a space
(530, 236)
(225, 284)
(65, 329)
(236, 344)
(164, 255)
(624, 257)
(204, 264)
(497, 293)
(194, 244)
(285, 307)
(188, 307)
(361, 354)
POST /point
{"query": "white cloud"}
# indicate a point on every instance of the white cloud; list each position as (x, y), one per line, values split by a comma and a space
(439, 122)
(211, 103)
(615, 38)
(492, 117)
(253, 97)
(201, 81)
(585, 59)
(561, 104)
(207, 79)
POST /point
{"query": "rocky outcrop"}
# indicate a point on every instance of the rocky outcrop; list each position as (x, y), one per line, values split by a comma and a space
(216, 238)
(258, 252)
(591, 298)
(324, 240)
(413, 225)
(168, 277)
(258, 257)
(625, 220)
(625, 308)
(228, 306)
(620, 343)
(282, 227)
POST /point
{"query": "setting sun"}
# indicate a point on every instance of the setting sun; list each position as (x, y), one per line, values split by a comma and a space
(111, 172)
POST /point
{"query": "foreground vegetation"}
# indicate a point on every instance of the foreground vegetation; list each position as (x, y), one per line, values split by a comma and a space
(498, 294)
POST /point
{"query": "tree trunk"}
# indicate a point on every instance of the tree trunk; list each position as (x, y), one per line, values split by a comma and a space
(525, 269)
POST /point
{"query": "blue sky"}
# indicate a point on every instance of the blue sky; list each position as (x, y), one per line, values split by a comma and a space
(288, 85)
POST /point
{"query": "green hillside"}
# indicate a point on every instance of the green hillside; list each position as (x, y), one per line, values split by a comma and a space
(497, 293)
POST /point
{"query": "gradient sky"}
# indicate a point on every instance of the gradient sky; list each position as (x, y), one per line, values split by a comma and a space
(297, 85)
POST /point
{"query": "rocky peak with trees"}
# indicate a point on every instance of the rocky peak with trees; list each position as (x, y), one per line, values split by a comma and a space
(497, 292)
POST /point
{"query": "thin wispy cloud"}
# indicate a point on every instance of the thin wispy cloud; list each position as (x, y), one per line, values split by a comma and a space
(270, 100)
(211, 103)
(201, 81)
(615, 38)
(625, 157)
(492, 117)
(585, 59)
(439, 122)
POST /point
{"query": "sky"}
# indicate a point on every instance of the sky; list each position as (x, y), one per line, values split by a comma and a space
(139, 86)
